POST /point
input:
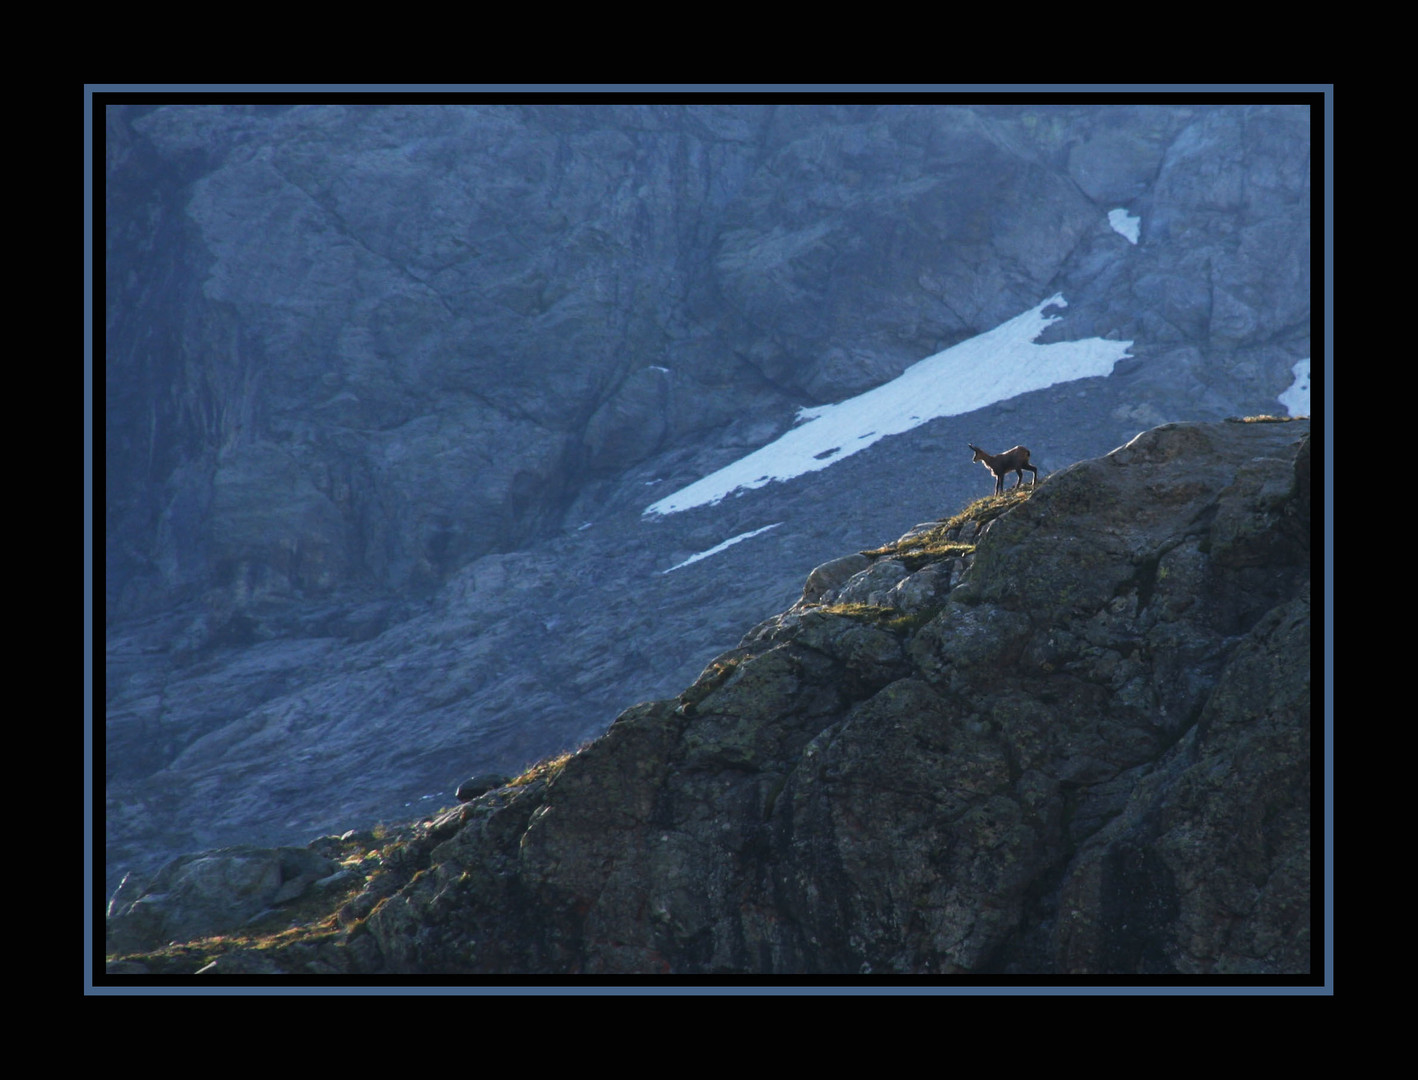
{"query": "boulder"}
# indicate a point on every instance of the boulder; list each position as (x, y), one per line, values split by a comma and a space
(207, 893)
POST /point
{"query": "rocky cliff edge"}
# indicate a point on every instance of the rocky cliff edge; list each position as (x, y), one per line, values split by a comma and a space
(1065, 732)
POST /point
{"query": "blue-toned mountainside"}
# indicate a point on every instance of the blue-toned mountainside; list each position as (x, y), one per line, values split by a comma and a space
(388, 390)
(1064, 733)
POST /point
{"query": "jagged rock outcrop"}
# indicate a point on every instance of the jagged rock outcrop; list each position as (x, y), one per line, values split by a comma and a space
(211, 892)
(1081, 746)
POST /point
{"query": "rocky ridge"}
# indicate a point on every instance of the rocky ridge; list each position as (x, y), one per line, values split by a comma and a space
(1064, 733)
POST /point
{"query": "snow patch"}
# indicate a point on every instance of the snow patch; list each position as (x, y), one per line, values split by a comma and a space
(1124, 224)
(1297, 397)
(998, 364)
(720, 547)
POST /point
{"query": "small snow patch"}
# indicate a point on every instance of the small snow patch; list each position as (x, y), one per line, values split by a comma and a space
(1124, 224)
(720, 547)
(1297, 397)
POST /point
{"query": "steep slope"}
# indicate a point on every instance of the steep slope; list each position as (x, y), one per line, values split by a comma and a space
(1068, 733)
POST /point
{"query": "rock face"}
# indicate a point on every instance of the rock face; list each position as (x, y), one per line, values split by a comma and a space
(387, 389)
(210, 892)
(361, 310)
(1079, 745)
(1092, 757)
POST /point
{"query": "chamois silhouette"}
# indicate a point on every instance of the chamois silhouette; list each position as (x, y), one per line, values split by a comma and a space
(1014, 460)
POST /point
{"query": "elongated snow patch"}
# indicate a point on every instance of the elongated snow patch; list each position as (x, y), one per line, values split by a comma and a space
(1296, 397)
(998, 364)
(720, 547)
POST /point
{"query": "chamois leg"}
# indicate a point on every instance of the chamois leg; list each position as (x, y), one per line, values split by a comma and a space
(1033, 475)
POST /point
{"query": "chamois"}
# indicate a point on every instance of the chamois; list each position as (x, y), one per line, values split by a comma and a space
(1014, 460)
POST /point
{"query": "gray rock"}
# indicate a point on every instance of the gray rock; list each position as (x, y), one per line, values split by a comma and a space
(870, 586)
(922, 589)
(207, 893)
(828, 577)
(477, 785)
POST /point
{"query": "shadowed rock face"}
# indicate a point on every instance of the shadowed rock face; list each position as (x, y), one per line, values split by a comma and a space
(211, 892)
(370, 371)
(370, 344)
(1092, 757)
(1084, 751)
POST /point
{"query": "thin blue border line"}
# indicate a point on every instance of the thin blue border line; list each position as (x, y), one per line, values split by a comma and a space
(689, 88)
(1328, 436)
(1327, 89)
(88, 541)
